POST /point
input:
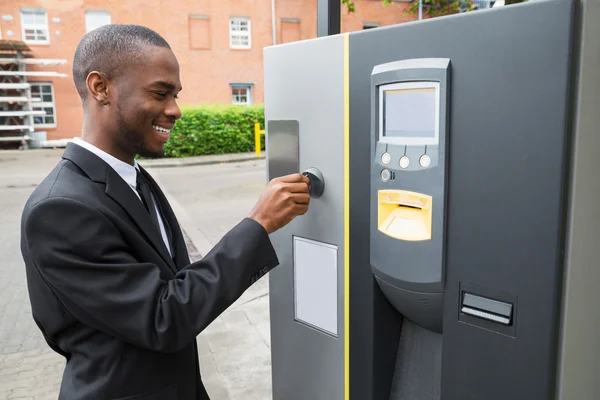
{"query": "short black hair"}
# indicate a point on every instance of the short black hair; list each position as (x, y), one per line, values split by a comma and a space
(111, 49)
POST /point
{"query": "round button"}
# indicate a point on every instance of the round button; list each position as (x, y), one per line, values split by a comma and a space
(385, 158)
(385, 175)
(404, 161)
(425, 161)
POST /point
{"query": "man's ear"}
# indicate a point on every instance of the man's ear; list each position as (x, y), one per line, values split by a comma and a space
(97, 85)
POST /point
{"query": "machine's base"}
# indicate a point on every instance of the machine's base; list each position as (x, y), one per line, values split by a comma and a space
(418, 371)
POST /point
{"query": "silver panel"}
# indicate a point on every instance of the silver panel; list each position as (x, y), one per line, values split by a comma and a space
(282, 148)
(304, 81)
(579, 349)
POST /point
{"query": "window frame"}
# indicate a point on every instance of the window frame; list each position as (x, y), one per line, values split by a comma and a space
(24, 26)
(249, 93)
(97, 12)
(241, 34)
(370, 25)
(44, 104)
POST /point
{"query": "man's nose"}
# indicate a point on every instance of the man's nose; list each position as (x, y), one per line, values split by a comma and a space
(173, 110)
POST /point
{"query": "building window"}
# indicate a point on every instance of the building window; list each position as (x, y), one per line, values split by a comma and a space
(96, 19)
(34, 25)
(45, 93)
(239, 33)
(241, 94)
(370, 25)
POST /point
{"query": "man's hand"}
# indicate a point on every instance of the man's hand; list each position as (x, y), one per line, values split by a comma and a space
(283, 200)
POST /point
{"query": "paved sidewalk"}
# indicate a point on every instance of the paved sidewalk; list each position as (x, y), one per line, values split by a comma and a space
(200, 160)
(234, 351)
(54, 154)
(28, 368)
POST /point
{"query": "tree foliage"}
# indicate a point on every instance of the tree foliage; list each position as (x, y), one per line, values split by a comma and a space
(352, 7)
(433, 8)
(438, 8)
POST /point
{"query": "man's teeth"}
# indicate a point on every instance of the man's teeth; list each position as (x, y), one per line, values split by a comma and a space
(163, 130)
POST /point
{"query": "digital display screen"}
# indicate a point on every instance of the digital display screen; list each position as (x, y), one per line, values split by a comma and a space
(409, 113)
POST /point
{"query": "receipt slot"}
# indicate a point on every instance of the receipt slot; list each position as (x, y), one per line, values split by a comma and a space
(452, 251)
(409, 101)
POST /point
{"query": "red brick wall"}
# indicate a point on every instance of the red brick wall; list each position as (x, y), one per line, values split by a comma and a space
(198, 31)
(372, 11)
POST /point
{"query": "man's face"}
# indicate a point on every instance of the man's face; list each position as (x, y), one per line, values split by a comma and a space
(145, 106)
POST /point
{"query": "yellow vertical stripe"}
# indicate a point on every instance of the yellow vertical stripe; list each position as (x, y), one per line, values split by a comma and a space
(346, 218)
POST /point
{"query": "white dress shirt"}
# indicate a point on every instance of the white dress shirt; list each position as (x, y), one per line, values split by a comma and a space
(129, 174)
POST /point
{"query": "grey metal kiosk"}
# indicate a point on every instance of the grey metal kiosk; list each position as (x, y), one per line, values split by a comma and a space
(450, 251)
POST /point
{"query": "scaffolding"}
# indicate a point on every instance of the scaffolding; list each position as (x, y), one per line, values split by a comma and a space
(17, 105)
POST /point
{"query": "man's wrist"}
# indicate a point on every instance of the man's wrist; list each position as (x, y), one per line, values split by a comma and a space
(262, 223)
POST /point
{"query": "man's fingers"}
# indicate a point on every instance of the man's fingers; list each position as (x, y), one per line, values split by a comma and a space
(297, 187)
(301, 209)
(300, 198)
(295, 178)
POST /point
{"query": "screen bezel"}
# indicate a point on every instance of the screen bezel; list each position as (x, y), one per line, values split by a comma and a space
(403, 86)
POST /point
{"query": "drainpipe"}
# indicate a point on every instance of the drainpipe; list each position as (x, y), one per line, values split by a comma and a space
(273, 22)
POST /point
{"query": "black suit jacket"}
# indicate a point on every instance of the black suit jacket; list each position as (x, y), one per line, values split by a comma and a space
(106, 294)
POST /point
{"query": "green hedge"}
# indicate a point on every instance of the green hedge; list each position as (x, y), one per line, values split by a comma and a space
(215, 129)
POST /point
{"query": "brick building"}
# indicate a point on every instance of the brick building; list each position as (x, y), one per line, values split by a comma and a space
(219, 43)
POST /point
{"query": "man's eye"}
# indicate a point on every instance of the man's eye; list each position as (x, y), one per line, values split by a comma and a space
(161, 94)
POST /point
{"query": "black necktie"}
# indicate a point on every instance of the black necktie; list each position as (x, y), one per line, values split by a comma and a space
(143, 188)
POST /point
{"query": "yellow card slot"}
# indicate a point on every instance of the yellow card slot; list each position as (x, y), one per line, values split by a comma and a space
(405, 215)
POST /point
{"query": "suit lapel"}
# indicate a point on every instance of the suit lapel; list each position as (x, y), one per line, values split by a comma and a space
(179, 246)
(117, 189)
(120, 191)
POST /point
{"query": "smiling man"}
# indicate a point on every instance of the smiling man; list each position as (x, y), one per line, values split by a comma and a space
(145, 81)
(109, 277)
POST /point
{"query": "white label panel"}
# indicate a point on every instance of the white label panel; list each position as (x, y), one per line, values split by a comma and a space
(315, 284)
